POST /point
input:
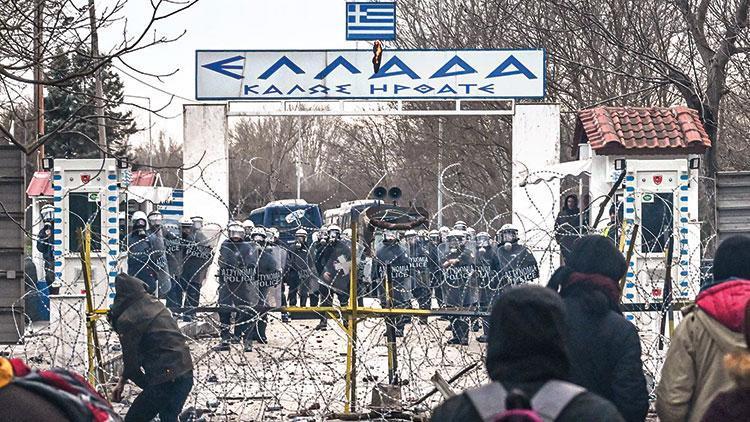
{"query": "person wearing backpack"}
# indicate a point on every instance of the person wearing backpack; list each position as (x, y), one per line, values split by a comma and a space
(528, 365)
(604, 347)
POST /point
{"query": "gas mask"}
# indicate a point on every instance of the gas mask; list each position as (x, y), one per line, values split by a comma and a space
(299, 242)
(139, 225)
(155, 220)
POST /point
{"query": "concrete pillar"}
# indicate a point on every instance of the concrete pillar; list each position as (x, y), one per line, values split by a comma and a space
(536, 143)
(205, 144)
(205, 155)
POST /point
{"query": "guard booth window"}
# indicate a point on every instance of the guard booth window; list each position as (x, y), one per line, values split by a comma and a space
(657, 220)
(84, 209)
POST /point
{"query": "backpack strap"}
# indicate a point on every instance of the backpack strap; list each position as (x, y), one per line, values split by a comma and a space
(488, 400)
(553, 397)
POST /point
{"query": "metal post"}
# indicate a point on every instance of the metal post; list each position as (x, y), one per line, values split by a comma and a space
(150, 140)
(390, 331)
(440, 174)
(95, 371)
(38, 76)
(351, 344)
(99, 90)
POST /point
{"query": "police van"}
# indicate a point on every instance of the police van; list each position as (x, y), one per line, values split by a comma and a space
(288, 216)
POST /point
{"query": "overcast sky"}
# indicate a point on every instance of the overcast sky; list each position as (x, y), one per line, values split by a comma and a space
(223, 24)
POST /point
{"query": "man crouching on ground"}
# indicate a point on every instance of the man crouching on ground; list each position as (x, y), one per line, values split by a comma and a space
(154, 353)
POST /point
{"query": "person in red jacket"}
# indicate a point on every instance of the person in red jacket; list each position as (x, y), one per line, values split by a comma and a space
(734, 405)
(693, 373)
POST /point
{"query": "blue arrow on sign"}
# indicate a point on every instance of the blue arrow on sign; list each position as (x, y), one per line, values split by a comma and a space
(221, 66)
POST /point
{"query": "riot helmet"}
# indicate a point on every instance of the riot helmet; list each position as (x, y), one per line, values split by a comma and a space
(155, 219)
(483, 240)
(48, 213)
(258, 235)
(410, 236)
(334, 233)
(300, 238)
(455, 240)
(507, 236)
(390, 237)
(197, 222)
(347, 234)
(139, 220)
(460, 225)
(272, 235)
(470, 233)
(435, 236)
(236, 231)
(248, 226)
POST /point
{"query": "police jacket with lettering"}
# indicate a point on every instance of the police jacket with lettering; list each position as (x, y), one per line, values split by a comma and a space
(236, 262)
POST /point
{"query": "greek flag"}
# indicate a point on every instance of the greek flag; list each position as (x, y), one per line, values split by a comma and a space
(370, 21)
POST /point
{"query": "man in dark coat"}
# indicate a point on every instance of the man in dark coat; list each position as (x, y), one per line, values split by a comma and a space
(526, 350)
(568, 225)
(604, 347)
(155, 354)
(44, 245)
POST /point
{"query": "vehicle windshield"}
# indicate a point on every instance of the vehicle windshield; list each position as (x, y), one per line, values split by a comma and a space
(285, 218)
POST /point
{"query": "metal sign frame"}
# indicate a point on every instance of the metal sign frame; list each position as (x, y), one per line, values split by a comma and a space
(286, 108)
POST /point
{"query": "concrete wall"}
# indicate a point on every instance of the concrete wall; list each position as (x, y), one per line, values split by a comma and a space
(536, 143)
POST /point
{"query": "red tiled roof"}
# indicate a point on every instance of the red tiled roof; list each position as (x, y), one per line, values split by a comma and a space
(40, 185)
(632, 130)
(143, 178)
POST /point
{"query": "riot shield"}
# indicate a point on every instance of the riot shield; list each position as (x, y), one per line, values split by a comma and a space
(395, 268)
(298, 262)
(237, 261)
(269, 273)
(338, 258)
(457, 260)
(419, 264)
(517, 265)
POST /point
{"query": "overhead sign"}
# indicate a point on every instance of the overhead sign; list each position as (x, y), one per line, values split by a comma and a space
(348, 74)
(370, 21)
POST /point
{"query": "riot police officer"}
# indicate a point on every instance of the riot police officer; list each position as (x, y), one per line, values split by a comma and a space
(176, 259)
(435, 267)
(516, 262)
(458, 261)
(146, 260)
(237, 292)
(298, 277)
(268, 276)
(198, 256)
(395, 267)
(44, 245)
(487, 271)
(161, 238)
(419, 268)
(248, 226)
(336, 257)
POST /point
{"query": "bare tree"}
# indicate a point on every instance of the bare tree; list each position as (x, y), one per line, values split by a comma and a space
(64, 28)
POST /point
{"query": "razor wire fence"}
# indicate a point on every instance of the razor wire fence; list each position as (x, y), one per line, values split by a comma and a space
(301, 372)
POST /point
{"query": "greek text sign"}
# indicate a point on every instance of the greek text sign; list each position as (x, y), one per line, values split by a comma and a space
(348, 74)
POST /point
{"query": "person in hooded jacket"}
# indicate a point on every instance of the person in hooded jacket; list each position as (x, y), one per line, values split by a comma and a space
(525, 351)
(734, 405)
(604, 347)
(693, 373)
(568, 225)
(147, 259)
(155, 354)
